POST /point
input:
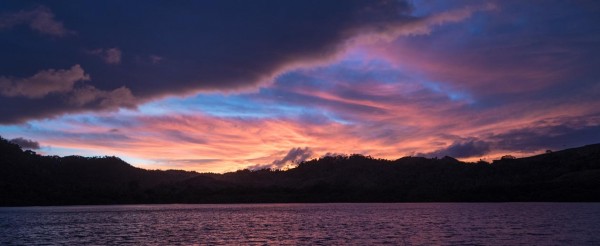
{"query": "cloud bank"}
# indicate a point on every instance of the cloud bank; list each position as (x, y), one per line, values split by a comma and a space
(222, 46)
(463, 149)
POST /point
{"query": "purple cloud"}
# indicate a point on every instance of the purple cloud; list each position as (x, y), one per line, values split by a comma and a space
(40, 19)
(223, 46)
(43, 83)
(294, 156)
(62, 87)
(110, 56)
(462, 149)
(25, 143)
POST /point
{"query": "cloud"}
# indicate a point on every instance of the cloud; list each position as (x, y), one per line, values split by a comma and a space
(117, 98)
(293, 157)
(25, 143)
(63, 81)
(110, 56)
(271, 142)
(224, 46)
(462, 149)
(552, 133)
(43, 83)
(257, 42)
(235, 142)
(40, 19)
(509, 55)
(500, 82)
(179, 164)
(57, 92)
(555, 133)
(424, 25)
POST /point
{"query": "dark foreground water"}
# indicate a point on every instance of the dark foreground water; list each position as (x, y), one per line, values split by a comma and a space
(309, 224)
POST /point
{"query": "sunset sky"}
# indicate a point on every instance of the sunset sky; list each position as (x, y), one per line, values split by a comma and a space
(216, 86)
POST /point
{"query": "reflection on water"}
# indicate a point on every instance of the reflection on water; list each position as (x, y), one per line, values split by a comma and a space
(364, 224)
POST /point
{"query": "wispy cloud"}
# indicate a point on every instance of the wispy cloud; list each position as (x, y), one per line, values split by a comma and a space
(292, 158)
(110, 55)
(40, 19)
(421, 25)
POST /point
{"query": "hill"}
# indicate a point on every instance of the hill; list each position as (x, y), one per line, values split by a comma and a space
(568, 175)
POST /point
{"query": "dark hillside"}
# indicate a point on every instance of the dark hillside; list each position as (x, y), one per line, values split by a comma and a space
(568, 175)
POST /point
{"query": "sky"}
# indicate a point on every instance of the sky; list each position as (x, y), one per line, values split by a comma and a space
(217, 86)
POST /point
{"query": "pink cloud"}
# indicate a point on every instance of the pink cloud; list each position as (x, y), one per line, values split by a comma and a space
(200, 142)
(231, 143)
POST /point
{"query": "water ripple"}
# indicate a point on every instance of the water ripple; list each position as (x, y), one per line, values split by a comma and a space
(305, 224)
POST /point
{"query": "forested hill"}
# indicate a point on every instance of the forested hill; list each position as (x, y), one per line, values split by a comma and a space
(569, 175)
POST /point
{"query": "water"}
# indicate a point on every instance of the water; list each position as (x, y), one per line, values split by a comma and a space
(306, 224)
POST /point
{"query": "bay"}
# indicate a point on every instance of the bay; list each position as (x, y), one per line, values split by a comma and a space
(305, 224)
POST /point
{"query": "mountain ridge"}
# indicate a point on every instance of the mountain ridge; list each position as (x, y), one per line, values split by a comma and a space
(573, 174)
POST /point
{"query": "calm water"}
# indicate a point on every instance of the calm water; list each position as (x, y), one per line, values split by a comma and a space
(357, 224)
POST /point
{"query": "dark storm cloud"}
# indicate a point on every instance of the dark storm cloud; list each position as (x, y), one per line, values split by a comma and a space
(25, 143)
(51, 92)
(557, 135)
(463, 149)
(549, 134)
(162, 48)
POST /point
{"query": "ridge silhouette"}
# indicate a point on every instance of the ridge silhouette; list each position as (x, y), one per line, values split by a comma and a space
(29, 179)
